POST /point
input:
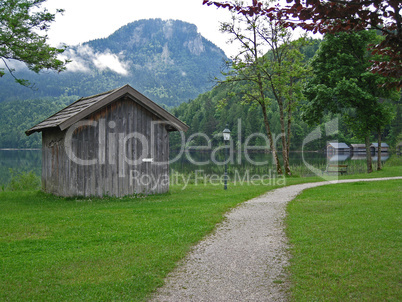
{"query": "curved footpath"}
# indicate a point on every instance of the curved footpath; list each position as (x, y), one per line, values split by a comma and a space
(245, 258)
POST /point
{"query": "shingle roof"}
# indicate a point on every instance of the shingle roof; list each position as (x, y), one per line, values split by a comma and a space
(87, 105)
(339, 145)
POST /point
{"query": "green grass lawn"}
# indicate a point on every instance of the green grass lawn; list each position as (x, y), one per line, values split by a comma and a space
(346, 242)
(66, 249)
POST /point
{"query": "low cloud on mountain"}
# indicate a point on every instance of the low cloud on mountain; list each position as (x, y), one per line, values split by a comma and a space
(84, 58)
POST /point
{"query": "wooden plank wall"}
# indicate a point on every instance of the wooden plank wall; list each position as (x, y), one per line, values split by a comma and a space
(118, 170)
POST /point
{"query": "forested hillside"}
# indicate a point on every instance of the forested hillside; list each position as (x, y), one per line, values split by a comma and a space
(168, 61)
(18, 116)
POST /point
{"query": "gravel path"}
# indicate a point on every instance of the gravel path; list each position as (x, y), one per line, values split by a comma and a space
(245, 258)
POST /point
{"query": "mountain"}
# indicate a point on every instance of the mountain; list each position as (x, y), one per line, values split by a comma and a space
(168, 61)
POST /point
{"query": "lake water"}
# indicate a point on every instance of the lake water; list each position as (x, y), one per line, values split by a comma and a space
(205, 163)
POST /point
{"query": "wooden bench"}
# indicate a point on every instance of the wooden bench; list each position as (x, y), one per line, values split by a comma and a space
(339, 169)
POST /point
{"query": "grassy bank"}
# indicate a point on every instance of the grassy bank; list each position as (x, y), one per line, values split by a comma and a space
(67, 249)
(346, 242)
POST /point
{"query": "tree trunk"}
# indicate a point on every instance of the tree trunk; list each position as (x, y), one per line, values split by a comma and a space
(271, 141)
(283, 139)
(379, 150)
(289, 129)
(264, 112)
(368, 153)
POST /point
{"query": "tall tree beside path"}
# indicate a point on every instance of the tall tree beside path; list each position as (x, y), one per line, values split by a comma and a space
(21, 25)
(334, 16)
(269, 66)
(341, 84)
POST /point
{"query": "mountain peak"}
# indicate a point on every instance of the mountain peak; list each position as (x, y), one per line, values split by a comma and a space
(167, 60)
(157, 33)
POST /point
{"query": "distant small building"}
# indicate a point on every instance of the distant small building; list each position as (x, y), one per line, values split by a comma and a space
(115, 143)
(357, 148)
(334, 147)
(384, 147)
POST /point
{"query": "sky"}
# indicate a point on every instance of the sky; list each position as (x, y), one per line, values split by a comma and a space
(85, 20)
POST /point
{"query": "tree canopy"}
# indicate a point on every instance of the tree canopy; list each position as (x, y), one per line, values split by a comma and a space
(21, 22)
(342, 84)
(339, 16)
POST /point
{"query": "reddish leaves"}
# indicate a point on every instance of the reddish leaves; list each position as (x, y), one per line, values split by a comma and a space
(341, 15)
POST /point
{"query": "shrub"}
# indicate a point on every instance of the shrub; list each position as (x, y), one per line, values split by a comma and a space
(23, 181)
(395, 160)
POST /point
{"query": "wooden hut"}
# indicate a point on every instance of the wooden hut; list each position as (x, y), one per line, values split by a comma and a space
(335, 147)
(358, 148)
(115, 144)
(384, 147)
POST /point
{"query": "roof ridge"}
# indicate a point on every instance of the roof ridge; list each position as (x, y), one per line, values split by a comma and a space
(96, 95)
